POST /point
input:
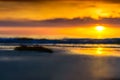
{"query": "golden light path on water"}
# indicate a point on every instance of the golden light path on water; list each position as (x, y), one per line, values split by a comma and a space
(97, 51)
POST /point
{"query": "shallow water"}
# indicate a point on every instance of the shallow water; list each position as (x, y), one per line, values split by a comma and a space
(67, 63)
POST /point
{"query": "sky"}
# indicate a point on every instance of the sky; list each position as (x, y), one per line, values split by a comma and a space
(59, 18)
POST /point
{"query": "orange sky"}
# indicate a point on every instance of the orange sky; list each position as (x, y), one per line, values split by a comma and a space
(17, 10)
(38, 32)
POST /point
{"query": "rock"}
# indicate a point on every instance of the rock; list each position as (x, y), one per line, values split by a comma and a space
(33, 48)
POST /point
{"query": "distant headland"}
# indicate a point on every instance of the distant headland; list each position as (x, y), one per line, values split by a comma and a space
(61, 41)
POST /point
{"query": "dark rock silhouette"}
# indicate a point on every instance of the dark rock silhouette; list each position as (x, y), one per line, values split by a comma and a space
(33, 48)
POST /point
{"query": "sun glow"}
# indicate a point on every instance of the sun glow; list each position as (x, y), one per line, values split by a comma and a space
(100, 28)
(99, 50)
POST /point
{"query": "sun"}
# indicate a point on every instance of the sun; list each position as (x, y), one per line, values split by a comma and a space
(99, 28)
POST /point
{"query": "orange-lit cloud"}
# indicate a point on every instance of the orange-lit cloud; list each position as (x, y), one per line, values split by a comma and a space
(30, 9)
(60, 22)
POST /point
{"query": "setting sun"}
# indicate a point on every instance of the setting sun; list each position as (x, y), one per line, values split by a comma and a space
(100, 28)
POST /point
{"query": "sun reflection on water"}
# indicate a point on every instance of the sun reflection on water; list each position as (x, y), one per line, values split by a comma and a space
(96, 51)
(99, 50)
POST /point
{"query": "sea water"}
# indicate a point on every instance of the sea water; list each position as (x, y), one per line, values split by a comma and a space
(68, 62)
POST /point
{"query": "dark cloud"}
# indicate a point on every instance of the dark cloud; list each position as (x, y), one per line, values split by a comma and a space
(28, 0)
(65, 0)
(24, 0)
(49, 23)
(60, 22)
(112, 1)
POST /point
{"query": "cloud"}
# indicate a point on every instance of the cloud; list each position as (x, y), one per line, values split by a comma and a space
(114, 1)
(50, 9)
(59, 22)
(23, 0)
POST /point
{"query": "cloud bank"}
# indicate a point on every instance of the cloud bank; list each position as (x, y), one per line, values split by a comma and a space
(50, 9)
(113, 1)
(59, 22)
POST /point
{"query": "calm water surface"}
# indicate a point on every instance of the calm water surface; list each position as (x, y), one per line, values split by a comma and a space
(85, 62)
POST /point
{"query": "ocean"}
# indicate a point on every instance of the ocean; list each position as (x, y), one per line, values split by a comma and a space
(68, 62)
